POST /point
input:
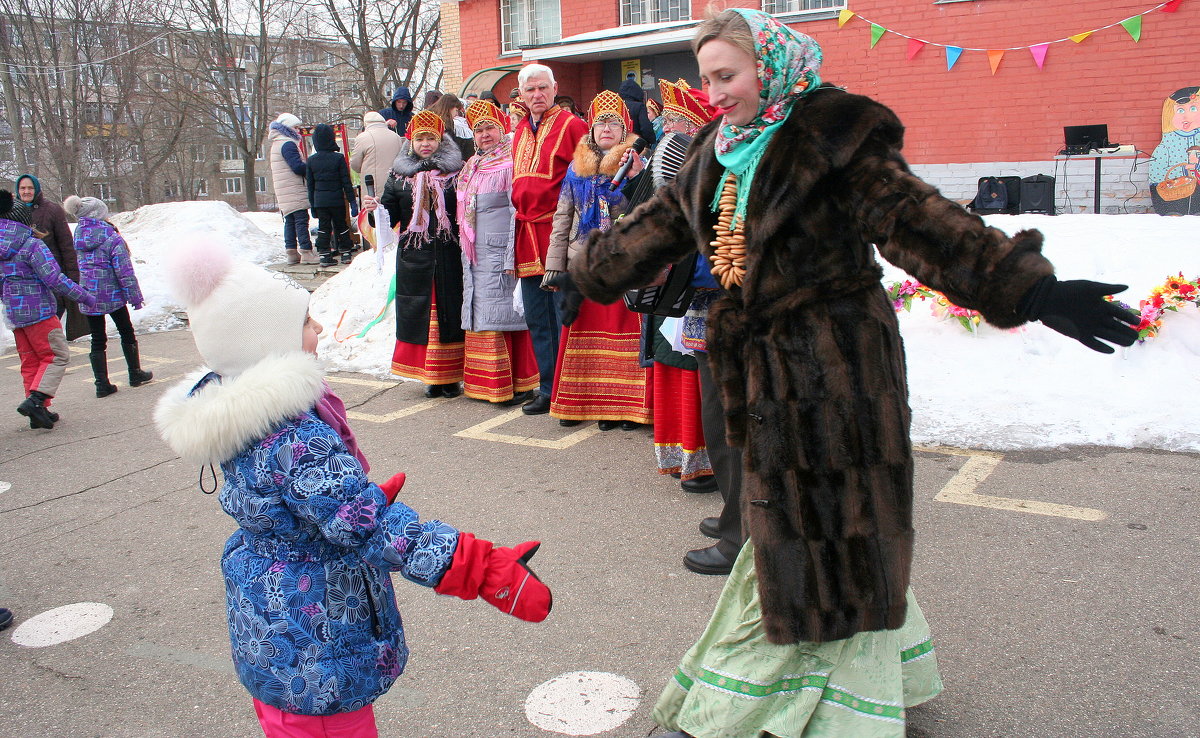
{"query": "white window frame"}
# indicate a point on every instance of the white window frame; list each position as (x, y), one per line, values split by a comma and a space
(229, 152)
(526, 23)
(103, 191)
(260, 185)
(231, 186)
(636, 12)
(309, 84)
(791, 7)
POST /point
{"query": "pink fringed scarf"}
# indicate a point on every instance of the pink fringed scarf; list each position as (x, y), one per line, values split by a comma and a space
(427, 185)
(484, 173)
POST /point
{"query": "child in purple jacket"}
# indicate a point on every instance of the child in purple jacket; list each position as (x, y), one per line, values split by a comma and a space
(106, 271)
(28, 273)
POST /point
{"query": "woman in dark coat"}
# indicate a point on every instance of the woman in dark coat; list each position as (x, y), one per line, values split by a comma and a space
(816, 631)
(421, 202)
(50, 219)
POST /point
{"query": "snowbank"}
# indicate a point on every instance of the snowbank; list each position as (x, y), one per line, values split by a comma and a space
(153, 231)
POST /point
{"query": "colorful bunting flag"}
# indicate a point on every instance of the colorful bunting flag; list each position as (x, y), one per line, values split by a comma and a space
(994, 57)
(1039, 54)
(952, 54)
(1131, 25)
(1134, 26)
(877, 32)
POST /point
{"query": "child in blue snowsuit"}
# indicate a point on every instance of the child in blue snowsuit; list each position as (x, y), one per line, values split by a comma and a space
(315, 633)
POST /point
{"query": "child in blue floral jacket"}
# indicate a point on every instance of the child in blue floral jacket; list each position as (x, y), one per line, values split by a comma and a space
(313, 623)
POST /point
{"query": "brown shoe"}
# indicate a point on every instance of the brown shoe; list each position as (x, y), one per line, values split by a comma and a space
(293, 256)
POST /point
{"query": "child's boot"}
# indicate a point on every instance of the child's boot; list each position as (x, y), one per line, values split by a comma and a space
(34, 408)
(137, 377)
(99, 360)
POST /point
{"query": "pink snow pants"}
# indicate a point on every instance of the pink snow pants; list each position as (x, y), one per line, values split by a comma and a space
(279, 724)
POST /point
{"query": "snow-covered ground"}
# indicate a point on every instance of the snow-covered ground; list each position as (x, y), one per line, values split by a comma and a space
(1030, 388)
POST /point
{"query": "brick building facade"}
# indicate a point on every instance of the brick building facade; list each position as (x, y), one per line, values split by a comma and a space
(962, 122)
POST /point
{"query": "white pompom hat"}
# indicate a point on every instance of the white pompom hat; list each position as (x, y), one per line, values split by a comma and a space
(239, 313)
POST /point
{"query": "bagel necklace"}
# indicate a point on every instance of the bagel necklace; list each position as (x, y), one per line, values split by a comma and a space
(729, 247)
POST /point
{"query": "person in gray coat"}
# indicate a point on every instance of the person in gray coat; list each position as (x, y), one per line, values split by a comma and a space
(500, 365)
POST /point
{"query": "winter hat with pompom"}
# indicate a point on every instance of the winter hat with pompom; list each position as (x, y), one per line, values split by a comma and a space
(239, 313)
(13, 209)
(85, 207)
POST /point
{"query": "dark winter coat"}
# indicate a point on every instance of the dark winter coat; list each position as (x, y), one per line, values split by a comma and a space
(106, 267)
(30, 276)
(635, 99)
(312, 614)
(49, 218)
(423, 265)
(328, 174)
(402, 117)
(807, 350)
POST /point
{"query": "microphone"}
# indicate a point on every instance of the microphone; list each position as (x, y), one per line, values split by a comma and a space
(638, 147)
(369, 182)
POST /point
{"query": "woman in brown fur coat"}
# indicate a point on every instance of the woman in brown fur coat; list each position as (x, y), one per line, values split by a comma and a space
(816, 632)
(597, 375)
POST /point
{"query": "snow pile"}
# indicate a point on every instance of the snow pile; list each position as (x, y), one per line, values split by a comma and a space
(346, 304)
(153, 231)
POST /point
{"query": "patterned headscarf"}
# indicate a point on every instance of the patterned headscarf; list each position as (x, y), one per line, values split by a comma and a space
(789, 64)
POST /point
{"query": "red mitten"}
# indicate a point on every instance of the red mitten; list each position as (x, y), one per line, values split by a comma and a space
(500, 575)
(391, 487)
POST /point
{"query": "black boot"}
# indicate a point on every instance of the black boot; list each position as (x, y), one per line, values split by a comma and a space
(34, 408)
(137, 377)
(99, 360)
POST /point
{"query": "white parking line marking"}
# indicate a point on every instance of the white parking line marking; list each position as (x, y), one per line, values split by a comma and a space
(403, 412)
(482, 432)
(978, 466)
(62, 624)
(582, 703)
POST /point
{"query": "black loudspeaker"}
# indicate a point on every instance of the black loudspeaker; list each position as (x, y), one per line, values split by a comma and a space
(1037, 194)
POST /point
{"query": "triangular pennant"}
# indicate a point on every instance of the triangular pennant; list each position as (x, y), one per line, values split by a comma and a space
(994, 57)
(844, 16)
(877, 32)
(1039, 54)
(1172, 6)
(1134, 26)
(1079, 37)
(914, 46)
(952, 54)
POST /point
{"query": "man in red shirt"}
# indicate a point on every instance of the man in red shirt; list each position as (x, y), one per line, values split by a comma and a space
(543, 146)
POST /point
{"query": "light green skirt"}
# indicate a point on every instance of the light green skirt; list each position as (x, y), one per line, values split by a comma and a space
(734, 683)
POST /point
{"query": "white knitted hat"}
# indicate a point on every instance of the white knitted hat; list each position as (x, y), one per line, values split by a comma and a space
(289, 120)
(239, 313)
(85, 207)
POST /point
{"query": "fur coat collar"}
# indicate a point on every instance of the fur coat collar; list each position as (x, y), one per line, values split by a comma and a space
(589, 161)
(447, 159)
(223, 417)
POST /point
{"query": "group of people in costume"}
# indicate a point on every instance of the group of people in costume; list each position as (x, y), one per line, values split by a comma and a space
(508, 268)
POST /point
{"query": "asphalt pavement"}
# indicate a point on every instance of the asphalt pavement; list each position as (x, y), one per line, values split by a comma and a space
(1060, 585)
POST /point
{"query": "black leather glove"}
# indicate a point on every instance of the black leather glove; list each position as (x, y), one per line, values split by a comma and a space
(572, 299)
(1077, 309)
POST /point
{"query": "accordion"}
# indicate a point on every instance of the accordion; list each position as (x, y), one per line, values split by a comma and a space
(671, 293)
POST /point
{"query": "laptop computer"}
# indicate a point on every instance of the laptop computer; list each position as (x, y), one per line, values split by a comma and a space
(1083, 139)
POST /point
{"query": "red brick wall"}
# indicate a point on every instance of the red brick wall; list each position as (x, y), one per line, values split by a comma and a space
(965, 114)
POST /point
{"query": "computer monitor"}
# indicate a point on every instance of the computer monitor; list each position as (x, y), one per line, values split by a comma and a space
(1082, 139)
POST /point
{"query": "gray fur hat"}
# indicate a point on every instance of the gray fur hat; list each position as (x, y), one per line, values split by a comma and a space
(85, 207)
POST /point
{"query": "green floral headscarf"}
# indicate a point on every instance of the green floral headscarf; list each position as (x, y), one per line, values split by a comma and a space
(789, 63)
